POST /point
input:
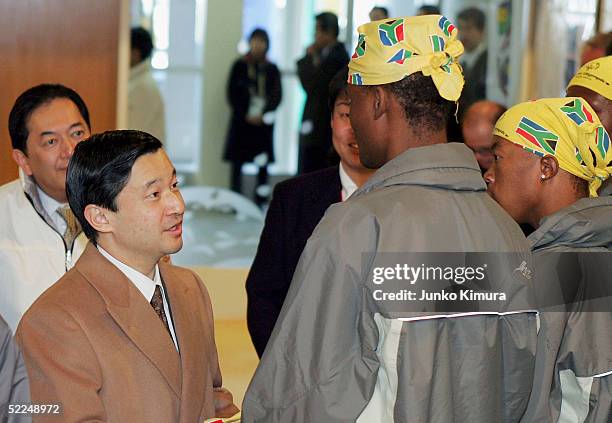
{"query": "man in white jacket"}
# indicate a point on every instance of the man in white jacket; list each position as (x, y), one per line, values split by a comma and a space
(39, 237)
(146, 111)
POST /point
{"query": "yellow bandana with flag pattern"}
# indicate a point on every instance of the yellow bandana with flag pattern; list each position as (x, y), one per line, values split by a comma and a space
(566, 128)
(391, 49)
(595, 75)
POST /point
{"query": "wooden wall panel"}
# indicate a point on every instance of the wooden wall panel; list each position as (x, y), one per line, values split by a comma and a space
(72, 42)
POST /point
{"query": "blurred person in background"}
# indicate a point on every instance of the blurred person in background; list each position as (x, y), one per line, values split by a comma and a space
(428, 10)
(471, 23)
(593, 82)
(377, 13)
(324, 58)
(596, 47)
(254, 93)
(40, 239)
(146, 110)
(477, 128)
(297, 206)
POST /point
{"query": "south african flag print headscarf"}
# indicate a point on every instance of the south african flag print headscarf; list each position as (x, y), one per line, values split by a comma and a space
(566, 128)
(391, 49)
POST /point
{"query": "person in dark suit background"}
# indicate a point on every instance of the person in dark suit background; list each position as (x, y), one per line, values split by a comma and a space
(471, 25)
(297, 206)
(254, 92)
(324, 58)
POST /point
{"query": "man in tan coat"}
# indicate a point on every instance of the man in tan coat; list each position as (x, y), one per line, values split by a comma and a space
(123, 337)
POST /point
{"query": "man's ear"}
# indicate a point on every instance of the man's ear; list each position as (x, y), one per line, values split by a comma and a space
(381, 101)
(549, 167)
(99, 218)
(22, 161)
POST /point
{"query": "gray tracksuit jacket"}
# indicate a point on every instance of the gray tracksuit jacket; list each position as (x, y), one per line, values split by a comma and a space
(573, 376)
(14, 386)
(337, 356)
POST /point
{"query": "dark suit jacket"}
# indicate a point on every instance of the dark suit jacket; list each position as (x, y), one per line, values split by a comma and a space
(315, 80)
(93, 343)
(475, 87)
(297, 206)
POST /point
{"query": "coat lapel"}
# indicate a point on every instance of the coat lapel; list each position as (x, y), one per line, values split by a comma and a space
(330, 191)
(133, 314)
(188, 328)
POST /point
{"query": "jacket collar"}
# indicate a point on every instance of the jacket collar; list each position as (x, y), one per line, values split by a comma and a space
(140, 69)
(584, 224)
(134, 314)
(30, 189)
(449, 166)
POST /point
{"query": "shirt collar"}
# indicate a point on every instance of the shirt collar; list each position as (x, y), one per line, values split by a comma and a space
(469, 59)
(348, 185)
(48, 203)
(140, 69)
(145, 285)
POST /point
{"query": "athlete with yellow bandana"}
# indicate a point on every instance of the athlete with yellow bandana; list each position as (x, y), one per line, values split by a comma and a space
(549, 153)
(552, 155)
(339, 355)
(593, 82)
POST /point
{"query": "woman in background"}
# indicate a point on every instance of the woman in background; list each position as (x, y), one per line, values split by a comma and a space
(254, 92)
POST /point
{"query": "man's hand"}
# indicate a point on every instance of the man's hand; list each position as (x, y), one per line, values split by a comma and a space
(311, 50)
(254, 120)
(224, 403)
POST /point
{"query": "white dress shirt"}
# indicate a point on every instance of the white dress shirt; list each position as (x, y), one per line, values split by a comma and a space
(348, 186)
(468, 59)
(145, 285)
(51, 205)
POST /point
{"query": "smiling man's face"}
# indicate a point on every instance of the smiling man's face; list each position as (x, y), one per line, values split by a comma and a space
(54, 129)
(343, 136)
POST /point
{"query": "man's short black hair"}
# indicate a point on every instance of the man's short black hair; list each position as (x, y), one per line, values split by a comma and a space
(338, 86)
(382, 10)
(262, 35)
(100, 168)
(328, 23)
(141, 41)
(429, 10)
(31, 100)
(425, 109)
(474, 16)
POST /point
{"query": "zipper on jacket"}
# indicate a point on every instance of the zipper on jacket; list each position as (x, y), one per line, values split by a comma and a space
(68, 252)
(68, 257)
